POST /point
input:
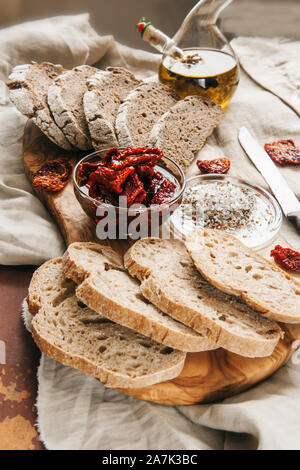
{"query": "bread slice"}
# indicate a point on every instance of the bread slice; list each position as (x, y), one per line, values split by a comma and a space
(65, 98)
(140, 111)
(171, 281)
(74, 335)
(28, 88)
(182, 131)
(107, 288)
(233, 268)
(106, 91)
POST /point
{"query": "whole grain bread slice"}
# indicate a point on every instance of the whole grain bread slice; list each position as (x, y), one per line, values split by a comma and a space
(140, 111)
(171, 281)
(182, 131)
(106, 91)
(28, 88)
(71, 333)
(106, 287)
(65, 98)
(236, 269)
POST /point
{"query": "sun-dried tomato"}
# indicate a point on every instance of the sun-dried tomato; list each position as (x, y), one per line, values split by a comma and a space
(165, 193)
(283, 152)
(134, 190)
(53, 175)
(111, 155)
(84, 172)
(286, 258)
(112, 180)
(145, 173)
(218, 166)
(136, 157)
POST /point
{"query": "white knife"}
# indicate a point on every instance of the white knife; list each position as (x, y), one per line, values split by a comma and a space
(284, 195)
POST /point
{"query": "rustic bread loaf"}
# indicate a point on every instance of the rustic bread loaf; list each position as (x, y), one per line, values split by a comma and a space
(140, 111)
(28, 88)
(65, 98)
(107, 288)
(171, 281)
(106, 91)
(236, 269)
(182, 131)
(74, 335)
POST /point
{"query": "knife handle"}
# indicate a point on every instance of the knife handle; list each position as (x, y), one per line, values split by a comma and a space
(294, 217)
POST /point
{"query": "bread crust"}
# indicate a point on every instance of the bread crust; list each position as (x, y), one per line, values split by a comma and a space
(174, 335)
(29, 103)
(57, 311)
(98, 105)
(194, 243)
(155, 292)
(108, 377)
(170, 124)
(122, 128)
(64, 117)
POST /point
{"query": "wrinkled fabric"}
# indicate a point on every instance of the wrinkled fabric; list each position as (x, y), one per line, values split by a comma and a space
(76, 411)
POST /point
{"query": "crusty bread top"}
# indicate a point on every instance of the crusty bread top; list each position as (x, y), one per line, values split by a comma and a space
(236, 269)
(107, 288)
(74, 335)
(171, 281)
(140, 111)
(28, 85)
(65, 99)
(106, 91)
(182, 131)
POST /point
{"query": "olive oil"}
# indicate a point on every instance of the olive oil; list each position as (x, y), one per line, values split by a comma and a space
(215, 75)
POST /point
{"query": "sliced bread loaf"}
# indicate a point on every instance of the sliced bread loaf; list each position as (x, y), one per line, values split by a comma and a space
(106, 91)
(140, 111)
(65, 98)
(236, 269)
(74, 335)
(171, 281)
(107, 288)
(28, 88)
(182, 131)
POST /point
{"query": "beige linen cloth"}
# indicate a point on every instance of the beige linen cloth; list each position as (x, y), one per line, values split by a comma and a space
(76, 411)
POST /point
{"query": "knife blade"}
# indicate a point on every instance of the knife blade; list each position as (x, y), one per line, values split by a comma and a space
(283, 193)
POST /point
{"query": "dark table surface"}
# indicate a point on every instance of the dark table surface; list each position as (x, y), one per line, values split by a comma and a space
(19, 359)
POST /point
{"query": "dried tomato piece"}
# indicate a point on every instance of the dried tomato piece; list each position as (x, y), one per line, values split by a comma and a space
(134, 190)
(165, 193)
(287, 258)
(218, 166)
(53, 175)
(283, 152)
(136, 157)
(111, 155)
(85, 169)
(112, 180)
(102, 194)
(145, 173)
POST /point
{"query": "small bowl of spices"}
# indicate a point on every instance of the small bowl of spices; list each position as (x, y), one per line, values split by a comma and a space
(230, 204)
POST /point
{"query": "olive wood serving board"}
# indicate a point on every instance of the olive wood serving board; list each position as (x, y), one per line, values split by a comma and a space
(206, 376)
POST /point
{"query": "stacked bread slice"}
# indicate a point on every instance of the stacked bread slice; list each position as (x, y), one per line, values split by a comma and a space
(87, 108)
(131, 322)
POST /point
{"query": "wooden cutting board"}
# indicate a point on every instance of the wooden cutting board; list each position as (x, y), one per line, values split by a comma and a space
(207, 376)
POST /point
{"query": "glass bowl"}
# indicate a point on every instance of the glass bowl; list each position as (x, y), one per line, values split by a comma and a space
(118, 222)
(258, 232)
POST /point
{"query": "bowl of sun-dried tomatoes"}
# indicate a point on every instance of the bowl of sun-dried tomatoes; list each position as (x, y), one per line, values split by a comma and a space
(128, 192)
